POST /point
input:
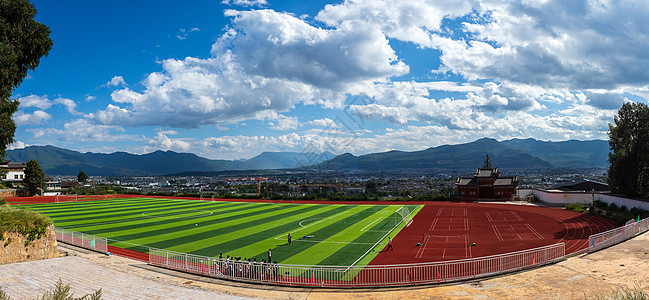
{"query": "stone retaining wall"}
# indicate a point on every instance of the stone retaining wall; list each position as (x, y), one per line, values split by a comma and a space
(6, 193)
(15, 251)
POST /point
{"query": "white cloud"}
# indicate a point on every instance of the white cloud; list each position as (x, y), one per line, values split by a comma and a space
(411, 21)
(81, 130)
(184, 33)
(69, 104)
(560, 44)
(162, 142)
(90, 98)
(245, 3)
(284, 123)
(17, 145)
(326, 122)
(41, 102)
(297, 51)
(35, 118)
(116, 81)
(299, 64)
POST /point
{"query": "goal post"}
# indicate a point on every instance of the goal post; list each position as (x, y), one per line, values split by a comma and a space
(402, 215)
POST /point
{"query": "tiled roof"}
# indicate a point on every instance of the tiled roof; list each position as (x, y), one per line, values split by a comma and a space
(16, 165)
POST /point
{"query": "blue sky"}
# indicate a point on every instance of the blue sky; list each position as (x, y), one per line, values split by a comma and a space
(232, 79)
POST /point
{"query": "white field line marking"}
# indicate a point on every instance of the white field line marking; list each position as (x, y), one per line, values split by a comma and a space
(432, 225)
(498, 236)
(517, 216)
(187, 217)
(421, 250)
(439, 212)
(363, 229)
(332, 242)
(383, 238)
(285, 235)
(489, 216)
(535, 232)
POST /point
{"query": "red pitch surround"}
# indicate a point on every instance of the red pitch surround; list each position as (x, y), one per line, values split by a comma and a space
(449, 231)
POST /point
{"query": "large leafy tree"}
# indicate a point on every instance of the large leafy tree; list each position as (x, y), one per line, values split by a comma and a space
(34, 177)
(628, 173)
(23, 41)
(82, 177)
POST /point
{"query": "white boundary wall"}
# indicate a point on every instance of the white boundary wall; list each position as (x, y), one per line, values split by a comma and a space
(619, 201)
(561, 197)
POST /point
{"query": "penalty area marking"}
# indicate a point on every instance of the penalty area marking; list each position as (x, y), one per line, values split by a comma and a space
(283, 236)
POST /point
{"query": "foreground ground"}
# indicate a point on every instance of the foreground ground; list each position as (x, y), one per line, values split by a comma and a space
(582, 277)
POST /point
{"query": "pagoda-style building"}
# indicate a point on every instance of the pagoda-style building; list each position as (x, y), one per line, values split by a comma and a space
(486, 184)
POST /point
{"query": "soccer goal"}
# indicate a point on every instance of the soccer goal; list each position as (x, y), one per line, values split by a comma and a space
(402, 214)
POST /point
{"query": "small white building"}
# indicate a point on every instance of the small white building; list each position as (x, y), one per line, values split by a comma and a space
(52, 187)
(15, 172)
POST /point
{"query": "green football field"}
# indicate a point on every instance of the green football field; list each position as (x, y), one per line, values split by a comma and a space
(338, 234)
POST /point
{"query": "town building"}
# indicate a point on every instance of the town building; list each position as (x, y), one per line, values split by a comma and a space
(14, 172)
(582, 185)
(487, 184)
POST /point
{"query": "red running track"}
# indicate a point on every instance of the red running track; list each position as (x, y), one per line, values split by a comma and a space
(451, 228)
(494, 228)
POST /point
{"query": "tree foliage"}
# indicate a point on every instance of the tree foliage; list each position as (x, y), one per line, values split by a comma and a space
(34, 177)
(628, 173)
(23, 41)
(82, 177)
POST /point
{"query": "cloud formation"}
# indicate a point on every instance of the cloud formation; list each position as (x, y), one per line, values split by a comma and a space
(116, 81)
(265, 64)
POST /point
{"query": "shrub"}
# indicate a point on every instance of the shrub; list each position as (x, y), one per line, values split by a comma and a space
(624, 293)
(26, 222)
(578, 207)
(60, 292)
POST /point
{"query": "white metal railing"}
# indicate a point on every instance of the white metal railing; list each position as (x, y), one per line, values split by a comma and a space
(358, 276)
(82, 239)
(363, 276)
(611, 237)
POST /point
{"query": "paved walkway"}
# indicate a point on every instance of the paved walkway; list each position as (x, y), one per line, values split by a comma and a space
(582, 277)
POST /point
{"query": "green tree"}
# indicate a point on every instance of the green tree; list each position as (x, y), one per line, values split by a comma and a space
(82, 177)
(23, 42)
(628, 173)
(34, 177)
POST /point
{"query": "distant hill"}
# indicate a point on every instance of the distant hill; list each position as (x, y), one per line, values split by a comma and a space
(528, 153)
(516, 153)
(57, 161)
(571, 154)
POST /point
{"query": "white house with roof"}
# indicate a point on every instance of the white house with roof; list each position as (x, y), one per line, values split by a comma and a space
(15, 172)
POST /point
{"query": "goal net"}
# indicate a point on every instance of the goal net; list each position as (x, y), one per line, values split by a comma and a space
(402, 215)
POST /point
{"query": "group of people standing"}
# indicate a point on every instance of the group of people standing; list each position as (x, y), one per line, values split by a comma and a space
(248, 268)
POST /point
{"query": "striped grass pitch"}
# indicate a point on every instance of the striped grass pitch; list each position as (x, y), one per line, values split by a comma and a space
(341, 234)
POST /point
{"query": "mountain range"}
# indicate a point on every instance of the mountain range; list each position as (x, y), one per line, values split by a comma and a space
(58, 161)
(515, 153)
